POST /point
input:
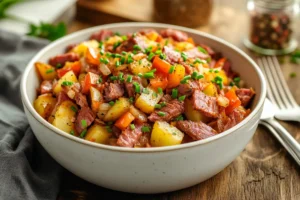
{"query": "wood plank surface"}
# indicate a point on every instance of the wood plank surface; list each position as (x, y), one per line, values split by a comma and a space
(263, 171)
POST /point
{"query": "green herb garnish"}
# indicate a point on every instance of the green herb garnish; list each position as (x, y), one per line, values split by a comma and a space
(104, 60)
(67, 83)
(83, 133)
(49, 71)
(174, 93)
(184, 56)
(162, 114)
(145, 129)
(132, 126)
(137, 87)
(74, 108)
(185, 79)
(171, 70)
(111, 103)
(201, 49)
(181, 98)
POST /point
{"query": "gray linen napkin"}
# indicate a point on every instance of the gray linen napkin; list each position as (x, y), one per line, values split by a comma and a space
(27, 172)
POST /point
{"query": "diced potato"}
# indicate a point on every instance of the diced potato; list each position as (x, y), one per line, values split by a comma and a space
(96, 98)
(69, 76)
(47, 72)
(44, 105)
(191, 113)
(142, 67)
(139, 115)
(183, 46)
(146, 102)
(120, 107)
(163, 134)
(82, 47)
(210, 90)
(114, 39)
(64, 116)
(98, 133)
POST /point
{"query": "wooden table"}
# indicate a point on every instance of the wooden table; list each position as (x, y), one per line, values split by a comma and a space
(263, 171)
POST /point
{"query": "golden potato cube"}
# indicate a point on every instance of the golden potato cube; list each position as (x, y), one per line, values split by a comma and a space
(44, 105)
(142, 67)
(68, 77)
(210, 90)
(163, 134)
(146, 102)
(64, 116)
(47, 72)
(98, 134)
(191, 113)
(120, 107)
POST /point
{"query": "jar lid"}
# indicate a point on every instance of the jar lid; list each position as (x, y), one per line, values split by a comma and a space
(274, 4)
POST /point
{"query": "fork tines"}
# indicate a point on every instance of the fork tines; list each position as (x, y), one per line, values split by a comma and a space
(278, 91)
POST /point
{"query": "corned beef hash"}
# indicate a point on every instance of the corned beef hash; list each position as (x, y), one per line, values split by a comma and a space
(142, 89)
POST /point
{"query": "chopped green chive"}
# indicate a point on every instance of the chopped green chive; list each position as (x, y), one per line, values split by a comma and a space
(181, 98)
(67, 83)
(163, 104)
(140, 75)
(111, 103)
(83, 133)
(137, 47)
(199, 61)
(124, 37)
(115, 55)
(166, 42)
(211, 70)
(194, 75)
(113, 78)
(129, 79)
(117, 33)
(104, 60)
(163, 56)
(201, 49)
(137, 87)
(159, 90)
(219, 81)
(174, 93)
(157, 106)
(83, 123)
(199, 76)
(100, 45)
(74, 108)
(108, 54)
(131, 100)
(151, 55)
(49, 71)
(171, 70)
(132, 126)
(129, 59)
(122, 60)
(149, 74)
(109, 129)
(179, 118)
(118, 63)
(184, 56)
(59, 66)
(162, 114)
(100, 80)
(148, 50)
(145, 129)
(72, 132)
(124, 53)
(158, 52)
(185, 79)
(121, 75)
(216, 71)
(116, 45)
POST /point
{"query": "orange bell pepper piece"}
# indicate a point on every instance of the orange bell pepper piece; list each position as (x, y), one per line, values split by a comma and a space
(92, 56)
(124, 121)
(220, 62)
(74, 66)
(161, 65)
(177, 75)
(160, 81)
(234, 101)
(190, 40)
(90, 79)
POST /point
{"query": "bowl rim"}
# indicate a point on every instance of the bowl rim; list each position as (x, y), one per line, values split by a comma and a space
(61, 133)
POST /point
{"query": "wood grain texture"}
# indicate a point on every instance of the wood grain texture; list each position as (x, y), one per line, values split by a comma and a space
(263, 171)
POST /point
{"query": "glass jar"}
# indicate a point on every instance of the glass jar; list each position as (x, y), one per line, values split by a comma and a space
(271, 26)
(189, 13)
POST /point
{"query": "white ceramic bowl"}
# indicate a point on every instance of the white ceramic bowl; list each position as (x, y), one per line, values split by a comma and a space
(149, 170)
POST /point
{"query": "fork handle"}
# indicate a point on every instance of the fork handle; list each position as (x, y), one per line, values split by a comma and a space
(285, 135)
(282, 142)
(288, 116)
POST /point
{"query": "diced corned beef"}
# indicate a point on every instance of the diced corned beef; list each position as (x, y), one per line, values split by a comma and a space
(209, 50)
(46, 87)
(81, 99)
(70, 47)
(140, 40)
(101, 35)
(188, 88)
(217, 125)
(173, 109)
(188, 69)
(205, 104)
(129, 86)
(172, 55)
(196, 130)
(245, 95)
(116, 131)
(126, 45)
(166, 98)
(234, 118)
(63, 58)
(130, 137)
(113, 91)
(174, 34)
(61, 97)
(195, 53)
(227, 67)
(85, 113)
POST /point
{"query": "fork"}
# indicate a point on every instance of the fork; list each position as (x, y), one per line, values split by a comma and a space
(278, 91)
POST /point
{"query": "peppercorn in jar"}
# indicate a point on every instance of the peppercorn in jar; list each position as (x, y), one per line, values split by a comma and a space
(271, 26)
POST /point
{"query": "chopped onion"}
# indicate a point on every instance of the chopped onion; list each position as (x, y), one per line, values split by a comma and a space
(103, 108)
(104, 69)
(222, 101)
(139, 115)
